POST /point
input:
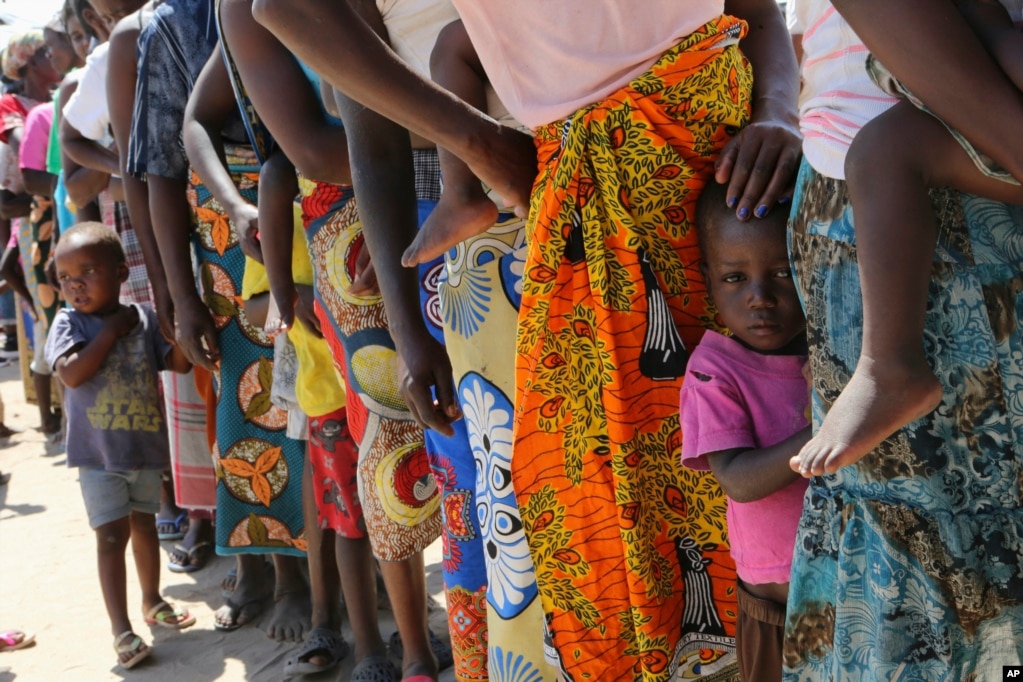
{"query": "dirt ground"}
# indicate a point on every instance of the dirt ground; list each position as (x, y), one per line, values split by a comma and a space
(48, 584)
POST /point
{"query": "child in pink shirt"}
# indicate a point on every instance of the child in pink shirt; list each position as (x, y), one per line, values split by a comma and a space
(745, 412)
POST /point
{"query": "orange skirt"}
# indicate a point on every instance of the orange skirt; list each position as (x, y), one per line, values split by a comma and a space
(630, 549)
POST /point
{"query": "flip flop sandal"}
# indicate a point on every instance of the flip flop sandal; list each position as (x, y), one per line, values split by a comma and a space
(180, 525)
(236, 610)
(441, 649)
(196, 557)
(166, 616)
(9, 640)
(374, 669)
(138, 650)
(318, 641)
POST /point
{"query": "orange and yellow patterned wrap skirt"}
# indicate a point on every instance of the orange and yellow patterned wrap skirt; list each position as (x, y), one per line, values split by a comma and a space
(630, 549)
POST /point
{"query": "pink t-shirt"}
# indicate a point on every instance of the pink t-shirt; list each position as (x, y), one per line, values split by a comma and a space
(547, 59)
(35, 139)
(733, 397)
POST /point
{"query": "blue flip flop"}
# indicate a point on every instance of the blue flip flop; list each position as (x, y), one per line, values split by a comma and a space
(180, 525)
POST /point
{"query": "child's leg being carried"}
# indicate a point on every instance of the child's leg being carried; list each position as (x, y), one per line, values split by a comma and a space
(892, 163)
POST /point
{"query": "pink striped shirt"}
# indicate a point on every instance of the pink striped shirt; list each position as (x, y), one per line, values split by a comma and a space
(838, 97)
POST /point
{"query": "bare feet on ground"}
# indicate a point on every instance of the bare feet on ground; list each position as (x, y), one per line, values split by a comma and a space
(452, 221)
(879, 400)
(290, 620)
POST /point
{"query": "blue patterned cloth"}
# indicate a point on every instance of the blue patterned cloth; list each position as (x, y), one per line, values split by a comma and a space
(909, 564)
(173, 48)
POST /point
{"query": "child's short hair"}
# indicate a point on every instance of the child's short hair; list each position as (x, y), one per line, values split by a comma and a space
(712, 211)
(91, 233)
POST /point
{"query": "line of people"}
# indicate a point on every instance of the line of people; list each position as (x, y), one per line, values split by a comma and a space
(382, 358)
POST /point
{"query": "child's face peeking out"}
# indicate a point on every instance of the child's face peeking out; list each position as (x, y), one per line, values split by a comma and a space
(747, 270)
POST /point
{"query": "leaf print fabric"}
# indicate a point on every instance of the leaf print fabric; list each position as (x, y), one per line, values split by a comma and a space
(630, 550)
(259, 469)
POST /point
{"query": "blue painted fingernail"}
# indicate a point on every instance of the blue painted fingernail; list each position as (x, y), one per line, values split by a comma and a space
(784, 200)
(761, 211)
(731, 201)
(743, 213)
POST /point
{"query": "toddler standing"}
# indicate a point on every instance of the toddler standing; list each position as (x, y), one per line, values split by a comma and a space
(107, 355)
(745, 413)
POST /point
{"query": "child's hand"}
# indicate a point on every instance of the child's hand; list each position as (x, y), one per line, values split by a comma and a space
(124, 320)
(245, 220)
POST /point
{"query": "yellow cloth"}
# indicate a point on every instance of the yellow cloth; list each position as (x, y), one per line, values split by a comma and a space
(318, 389)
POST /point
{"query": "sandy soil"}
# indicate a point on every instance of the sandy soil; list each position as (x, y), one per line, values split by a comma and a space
(48, 584)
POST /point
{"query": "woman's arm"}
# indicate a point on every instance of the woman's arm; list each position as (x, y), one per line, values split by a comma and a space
(383, 177)
(122, 77)
(14, 205)
(278, 186)
(38, 182)
(14, 275)
(86, 152)
(759, 163)
(928, 45)
(83, 184)
(330, 39)
(210, 106)
(287, 103)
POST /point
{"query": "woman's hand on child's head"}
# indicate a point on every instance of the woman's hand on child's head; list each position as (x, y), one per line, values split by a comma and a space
(759, 165)
(245, 220)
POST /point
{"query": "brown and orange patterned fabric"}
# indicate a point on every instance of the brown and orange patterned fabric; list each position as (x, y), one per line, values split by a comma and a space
(630, 549)
(398, 491)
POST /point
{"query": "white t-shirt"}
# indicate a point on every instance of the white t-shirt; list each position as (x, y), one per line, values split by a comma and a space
(87, 110)
(412, 28)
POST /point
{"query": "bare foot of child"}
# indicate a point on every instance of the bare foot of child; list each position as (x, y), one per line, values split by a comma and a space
(879, 400)
(453, 220)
